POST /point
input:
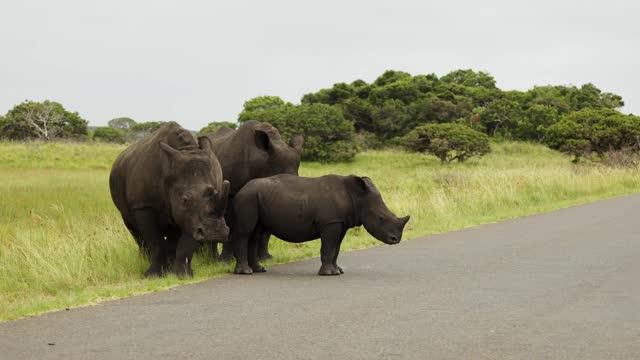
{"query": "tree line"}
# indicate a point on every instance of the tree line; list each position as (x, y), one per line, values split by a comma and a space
(397, 108)
(434, 114)
(49, 120)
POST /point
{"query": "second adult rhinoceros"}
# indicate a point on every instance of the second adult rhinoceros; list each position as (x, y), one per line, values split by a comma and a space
(254, 150)
(170, 192)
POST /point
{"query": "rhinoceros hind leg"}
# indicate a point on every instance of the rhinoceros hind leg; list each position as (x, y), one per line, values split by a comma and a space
(263, 247)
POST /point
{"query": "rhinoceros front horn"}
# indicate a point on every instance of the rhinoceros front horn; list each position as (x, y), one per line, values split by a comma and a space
(223, 196)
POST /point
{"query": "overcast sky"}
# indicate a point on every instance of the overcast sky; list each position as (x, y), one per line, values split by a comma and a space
(198, 61)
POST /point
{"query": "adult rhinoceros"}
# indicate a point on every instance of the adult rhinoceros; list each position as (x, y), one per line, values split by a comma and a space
(170, 192)
(254, 150)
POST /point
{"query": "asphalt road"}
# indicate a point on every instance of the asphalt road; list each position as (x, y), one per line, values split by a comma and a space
(561, 285)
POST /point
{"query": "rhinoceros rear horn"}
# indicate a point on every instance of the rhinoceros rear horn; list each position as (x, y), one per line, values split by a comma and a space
(204, 143)
(405, 220)
(168, 149)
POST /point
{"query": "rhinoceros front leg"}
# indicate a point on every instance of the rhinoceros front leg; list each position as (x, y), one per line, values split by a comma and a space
(184, 255)
(173, 237)
(153, 240)
(227, 250)
(331, 238)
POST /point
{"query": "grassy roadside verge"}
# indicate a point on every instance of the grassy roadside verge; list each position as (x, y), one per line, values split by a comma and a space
(62, 243)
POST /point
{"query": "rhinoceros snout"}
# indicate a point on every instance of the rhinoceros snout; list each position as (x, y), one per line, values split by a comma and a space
(392, 240)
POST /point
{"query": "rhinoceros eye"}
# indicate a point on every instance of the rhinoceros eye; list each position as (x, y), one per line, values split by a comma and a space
(185, 200)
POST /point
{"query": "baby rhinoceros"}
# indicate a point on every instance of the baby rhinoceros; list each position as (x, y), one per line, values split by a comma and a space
(298, 209)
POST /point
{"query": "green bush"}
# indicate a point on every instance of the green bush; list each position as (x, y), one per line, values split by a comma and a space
(594, 130)
(47, 120)
(108, 134)
(328, 137)
(448, 141)
(396, 102)
(213, 126)
(259, 104)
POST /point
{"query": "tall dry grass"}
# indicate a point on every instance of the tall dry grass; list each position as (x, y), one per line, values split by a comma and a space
(62, 242)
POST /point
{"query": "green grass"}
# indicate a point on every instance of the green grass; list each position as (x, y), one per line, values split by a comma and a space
(62, 242)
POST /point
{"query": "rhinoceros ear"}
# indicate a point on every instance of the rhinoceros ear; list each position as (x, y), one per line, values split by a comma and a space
(362, 183)
(262, 140)
(296, 142)
(168, 149)
(204, 143)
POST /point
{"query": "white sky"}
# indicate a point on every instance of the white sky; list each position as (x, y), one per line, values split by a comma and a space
(198, 61)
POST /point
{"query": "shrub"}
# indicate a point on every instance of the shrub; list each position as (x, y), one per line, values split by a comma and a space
(369, 141)
(213, 126)
(600, 130)
(45, 120)
(570, 138)
(108, 134)
(448, 141)
(259, 104)
(328, 137)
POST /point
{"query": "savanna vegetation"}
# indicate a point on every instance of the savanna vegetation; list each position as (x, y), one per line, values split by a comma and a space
(448, 141)
(63, 244)
(351, 117)
(342, 120)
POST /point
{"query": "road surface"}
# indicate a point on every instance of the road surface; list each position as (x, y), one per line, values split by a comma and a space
(561, 285)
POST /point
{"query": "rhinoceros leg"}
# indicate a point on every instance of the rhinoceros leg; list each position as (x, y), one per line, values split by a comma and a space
(227, 250)
(263, 246)
(242, 232)
(330, 236)
(241, 241)
(153, 240)
(173, 236)
(252, 249)
(138, 238)
(335, 257)
(184, 255)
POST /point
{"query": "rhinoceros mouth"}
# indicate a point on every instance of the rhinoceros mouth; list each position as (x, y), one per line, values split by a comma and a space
(392, 240)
